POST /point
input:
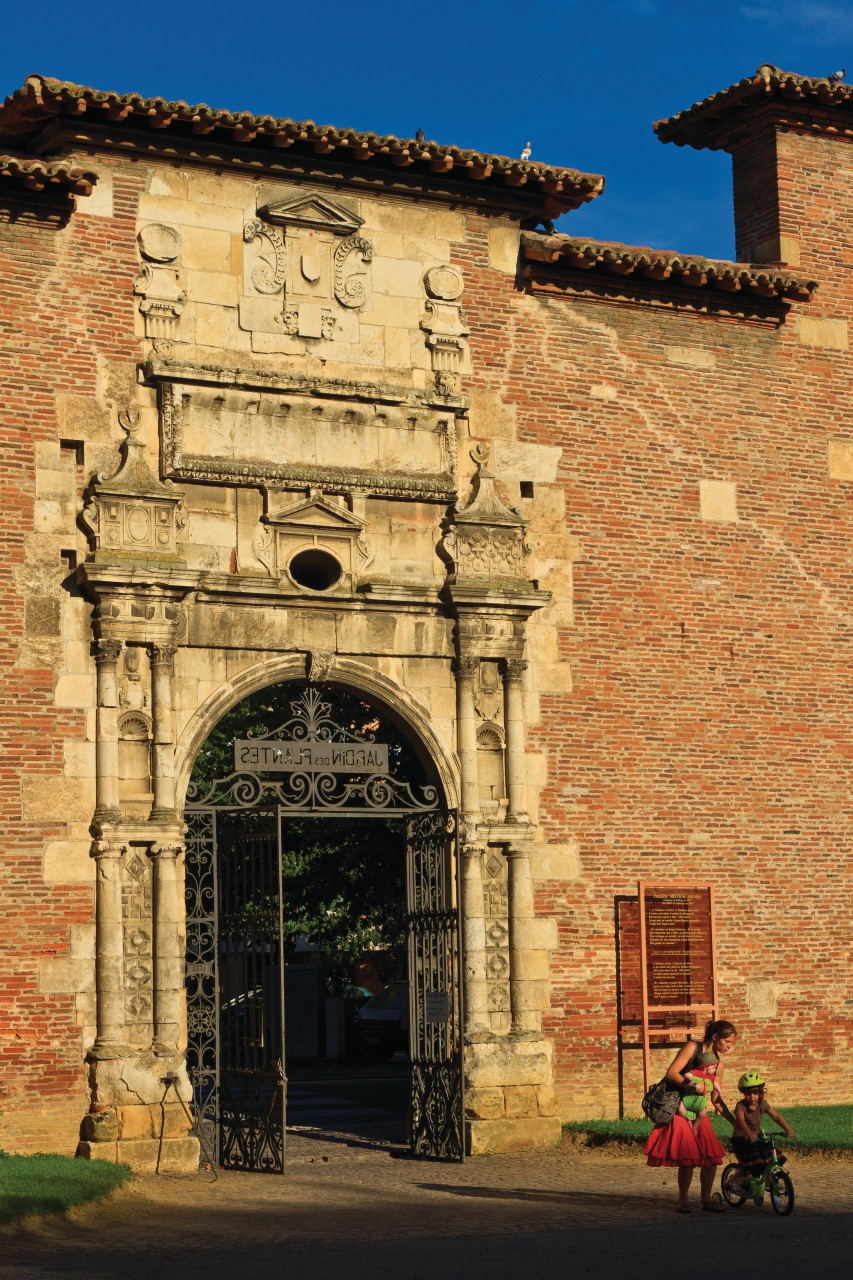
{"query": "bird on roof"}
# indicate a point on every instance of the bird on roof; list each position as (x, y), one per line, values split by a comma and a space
(420, 136)
(836, 77)
(525, 155)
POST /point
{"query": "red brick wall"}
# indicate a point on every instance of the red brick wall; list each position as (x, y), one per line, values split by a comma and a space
(65, 298)
(707, 736)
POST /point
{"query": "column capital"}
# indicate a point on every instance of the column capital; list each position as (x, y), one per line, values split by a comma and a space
(162, 655)
(106, 649)
(108, 850)
(166, 849)
(514, 668)
(466, 665)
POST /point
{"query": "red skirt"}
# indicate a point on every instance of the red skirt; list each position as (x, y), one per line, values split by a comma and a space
(676, 1145)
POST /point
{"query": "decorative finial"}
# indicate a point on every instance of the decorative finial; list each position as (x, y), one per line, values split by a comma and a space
(129, 421)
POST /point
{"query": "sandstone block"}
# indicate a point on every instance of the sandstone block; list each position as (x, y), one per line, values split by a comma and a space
(503, 249)
(98, 1151)
(718, 500)
(556, 861)
(189, 216)
(100, 1126)
(135, 1122)
(61, 975)
(693, 357)
(521, 1101)
(179, 1155)
(492, 1137)
(840, 459)
(484, 1104)
(830, 334)
(100, 203)
(139, 1154)
(398, 276)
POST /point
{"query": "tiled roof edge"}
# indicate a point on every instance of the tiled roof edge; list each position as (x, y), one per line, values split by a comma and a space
(767, 280)
(696, 125)
(39, 175)
(42, 98)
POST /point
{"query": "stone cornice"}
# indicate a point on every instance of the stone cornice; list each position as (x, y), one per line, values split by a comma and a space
(785, 98)
(42, 100)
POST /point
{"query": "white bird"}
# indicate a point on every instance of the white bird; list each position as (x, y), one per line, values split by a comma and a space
(525, 155)
(836, 77)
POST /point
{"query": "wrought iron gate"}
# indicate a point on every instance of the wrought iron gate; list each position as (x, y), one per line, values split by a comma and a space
(235, 952)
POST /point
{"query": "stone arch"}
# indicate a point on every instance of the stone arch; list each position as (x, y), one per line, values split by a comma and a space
(347, 673)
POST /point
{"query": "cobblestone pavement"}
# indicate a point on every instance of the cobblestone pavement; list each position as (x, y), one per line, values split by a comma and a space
(361, 1212)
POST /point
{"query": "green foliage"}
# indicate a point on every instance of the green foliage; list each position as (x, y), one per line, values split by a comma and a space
(343, 880)
(53, 1184)
(817, 1128)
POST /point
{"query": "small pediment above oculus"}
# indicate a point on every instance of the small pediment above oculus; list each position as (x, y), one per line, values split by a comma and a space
(312, 210)
(314, 512)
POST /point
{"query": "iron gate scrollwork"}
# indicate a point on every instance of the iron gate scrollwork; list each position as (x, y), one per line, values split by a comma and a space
(434, 990)
(235, 951)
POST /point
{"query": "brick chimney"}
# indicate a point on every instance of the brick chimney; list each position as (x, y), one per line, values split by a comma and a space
(789, 137)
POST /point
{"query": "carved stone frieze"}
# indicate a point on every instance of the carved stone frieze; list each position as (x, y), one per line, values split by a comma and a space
(131, 515)
(305, 433)
(496, 912)
(138, 958)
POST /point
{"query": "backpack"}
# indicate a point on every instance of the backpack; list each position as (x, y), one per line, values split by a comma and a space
(661, 1102)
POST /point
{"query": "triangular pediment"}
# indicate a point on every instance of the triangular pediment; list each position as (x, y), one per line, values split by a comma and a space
(312, 210)
(315, 513)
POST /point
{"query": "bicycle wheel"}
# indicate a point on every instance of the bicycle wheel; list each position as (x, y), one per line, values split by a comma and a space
(730, 1184)
(781, 1192)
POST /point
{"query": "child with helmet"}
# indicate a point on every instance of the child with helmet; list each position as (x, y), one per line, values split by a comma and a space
(749, 1143)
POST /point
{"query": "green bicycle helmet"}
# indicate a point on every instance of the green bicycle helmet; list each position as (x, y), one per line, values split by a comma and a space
(751, 1080)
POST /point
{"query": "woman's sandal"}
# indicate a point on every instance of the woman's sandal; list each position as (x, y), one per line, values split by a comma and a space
(682, 1207)
(713, 1206)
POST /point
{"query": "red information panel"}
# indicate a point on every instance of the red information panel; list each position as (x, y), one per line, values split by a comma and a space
(679, 947)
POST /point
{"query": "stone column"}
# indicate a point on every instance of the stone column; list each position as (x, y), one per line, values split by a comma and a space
(514, 669)
(474, 941)
(168, 979)
(523, 989)
(467, 668)
(109, 951)
(106, 654)
(473, 915)
(162, 666)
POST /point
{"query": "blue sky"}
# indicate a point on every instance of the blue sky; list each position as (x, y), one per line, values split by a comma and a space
(582, 81)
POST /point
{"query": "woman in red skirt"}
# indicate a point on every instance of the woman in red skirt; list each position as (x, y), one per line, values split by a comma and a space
(687, 1146)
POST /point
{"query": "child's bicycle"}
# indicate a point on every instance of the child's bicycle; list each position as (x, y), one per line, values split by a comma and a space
(764, 1173)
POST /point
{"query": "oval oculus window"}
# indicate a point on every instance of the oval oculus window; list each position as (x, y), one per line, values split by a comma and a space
(315, 570)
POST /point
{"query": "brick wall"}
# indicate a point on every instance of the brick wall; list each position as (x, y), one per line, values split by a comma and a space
(65, 305)
(707, 733)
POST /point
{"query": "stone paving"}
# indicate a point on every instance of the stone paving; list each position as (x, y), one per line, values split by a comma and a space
(361, 1212)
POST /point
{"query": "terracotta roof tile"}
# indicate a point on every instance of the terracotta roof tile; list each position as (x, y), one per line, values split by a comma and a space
(41, 99)
(38, 175)
(764, 279)
(710, 123)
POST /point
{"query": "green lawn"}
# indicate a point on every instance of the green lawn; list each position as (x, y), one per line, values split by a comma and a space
(52, 1184)
(817, 1128)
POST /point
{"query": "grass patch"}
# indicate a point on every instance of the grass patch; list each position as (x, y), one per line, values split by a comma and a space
(53, 1184)
(817, 1128)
